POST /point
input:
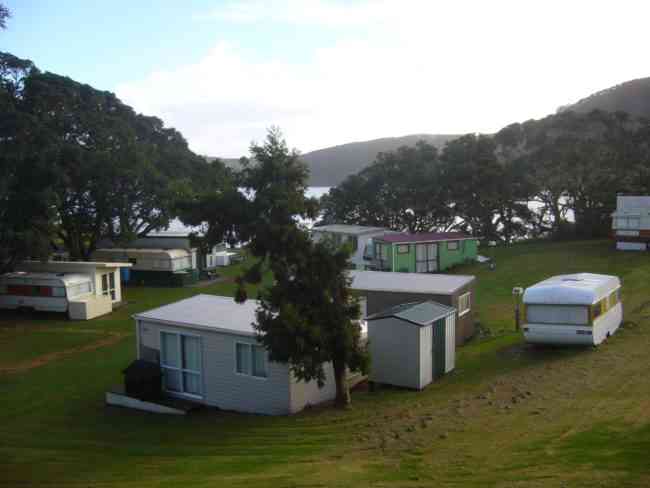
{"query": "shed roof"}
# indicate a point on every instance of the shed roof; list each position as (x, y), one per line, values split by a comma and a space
(207, 312)
(425, 237)
(349, 229)
(571, 289)
(434, 284)
(418, 313)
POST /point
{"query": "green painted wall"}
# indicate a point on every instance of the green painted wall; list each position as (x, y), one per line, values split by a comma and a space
(447, 258)
(404, 262)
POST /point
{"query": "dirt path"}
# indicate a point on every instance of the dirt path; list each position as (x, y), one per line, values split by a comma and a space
(112, 339)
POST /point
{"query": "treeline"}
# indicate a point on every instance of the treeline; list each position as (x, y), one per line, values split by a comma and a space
(568, 166)
(77, 165)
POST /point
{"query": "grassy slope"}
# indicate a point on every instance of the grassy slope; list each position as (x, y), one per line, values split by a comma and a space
(508, 416)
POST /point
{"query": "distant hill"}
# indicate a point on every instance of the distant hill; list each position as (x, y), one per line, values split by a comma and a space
(632, 97)
(330, 166)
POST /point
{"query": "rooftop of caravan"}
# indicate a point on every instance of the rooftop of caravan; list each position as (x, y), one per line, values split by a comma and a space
(424, 237)
(170, 253)
(572, 289)
(348, 229)
(435, 284)
(208, 312)
(18, 277)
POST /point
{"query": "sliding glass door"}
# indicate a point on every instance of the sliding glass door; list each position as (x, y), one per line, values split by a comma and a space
(180, 359)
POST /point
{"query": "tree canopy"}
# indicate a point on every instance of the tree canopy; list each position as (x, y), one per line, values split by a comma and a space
(570, 166)
(100, 170)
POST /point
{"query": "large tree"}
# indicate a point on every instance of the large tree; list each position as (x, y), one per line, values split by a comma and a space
(307, 318)
(114, 173)
(402, 190)
(25, 173)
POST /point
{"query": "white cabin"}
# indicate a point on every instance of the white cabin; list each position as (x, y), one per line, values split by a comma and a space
(208, 350)
(582, 308)
(631, 223)
(360, 239)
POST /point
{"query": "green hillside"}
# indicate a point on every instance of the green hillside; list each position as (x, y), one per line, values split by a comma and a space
(632, 97)
(508, 416)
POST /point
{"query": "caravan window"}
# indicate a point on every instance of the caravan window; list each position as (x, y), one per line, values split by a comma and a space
(557, 314)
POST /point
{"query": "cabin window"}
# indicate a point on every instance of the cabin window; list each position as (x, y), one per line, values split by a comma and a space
(452, 246)
(251, 360)
(403, 249)
(180, 360)
(79, 289)
(557, 314)
(464, 303)
(426, 258)
(108, 285)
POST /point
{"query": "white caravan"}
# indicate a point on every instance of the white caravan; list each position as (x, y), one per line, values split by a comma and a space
(46, 292)
(582, 308)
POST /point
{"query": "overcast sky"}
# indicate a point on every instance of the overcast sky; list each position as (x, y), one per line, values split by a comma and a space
(331, 72)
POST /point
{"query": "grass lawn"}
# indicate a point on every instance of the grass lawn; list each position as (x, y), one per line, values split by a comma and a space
(508, 416)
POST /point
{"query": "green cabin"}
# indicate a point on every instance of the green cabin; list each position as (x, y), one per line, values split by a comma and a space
(425, 252)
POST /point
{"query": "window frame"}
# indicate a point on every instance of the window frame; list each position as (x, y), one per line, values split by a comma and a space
(250, 347)
(109, 290)
(181, 371)
(428, 261)
(468, 308)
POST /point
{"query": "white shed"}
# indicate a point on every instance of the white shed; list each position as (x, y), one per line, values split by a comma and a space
(412, 344)
(207, 348)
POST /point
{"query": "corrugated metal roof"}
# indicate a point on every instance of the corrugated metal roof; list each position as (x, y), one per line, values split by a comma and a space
(208, 312)
(348, 229)
(425, 237)
(434, 284)
(419, 313)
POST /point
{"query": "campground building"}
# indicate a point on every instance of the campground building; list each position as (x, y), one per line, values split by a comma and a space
(631, 223)
(425, 252)
(358, 237)
(412, 345)
(380, 290)
(207, 349)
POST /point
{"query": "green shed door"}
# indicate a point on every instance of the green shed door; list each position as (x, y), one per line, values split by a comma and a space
(438, 348)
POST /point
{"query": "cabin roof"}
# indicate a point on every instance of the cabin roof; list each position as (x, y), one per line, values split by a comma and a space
(207, 312)
(433, 284)
(418, 313)
(424, 237)
(571, 289)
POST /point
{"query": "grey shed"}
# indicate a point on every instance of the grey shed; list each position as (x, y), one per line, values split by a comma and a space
(412, 344)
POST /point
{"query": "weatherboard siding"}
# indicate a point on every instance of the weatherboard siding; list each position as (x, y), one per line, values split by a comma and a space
(466, 251)
(222, 386)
